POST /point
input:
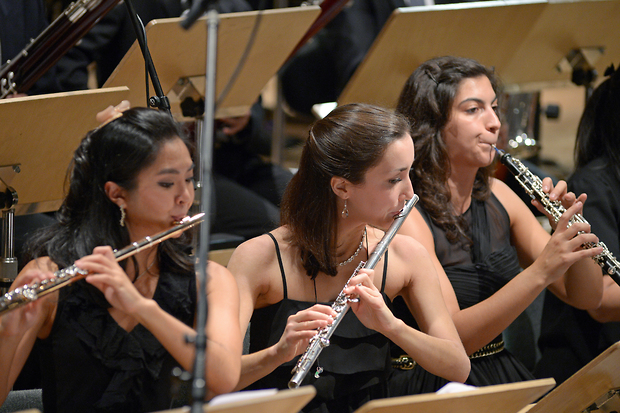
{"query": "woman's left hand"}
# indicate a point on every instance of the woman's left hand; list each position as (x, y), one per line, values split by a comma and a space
(370, 308)
(109, 277)
(559, 192)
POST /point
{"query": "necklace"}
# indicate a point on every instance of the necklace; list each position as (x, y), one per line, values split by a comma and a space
(145, 271)
(357, 251)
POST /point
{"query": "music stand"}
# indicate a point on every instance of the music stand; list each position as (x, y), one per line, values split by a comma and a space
(37, 143)
(40, 134)
(504, 398)
(179, 56)
(587, 390)
(524, 41)
(283, 401)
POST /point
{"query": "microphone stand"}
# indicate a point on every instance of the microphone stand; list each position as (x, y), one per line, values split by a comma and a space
(206, 155)
(159, 101)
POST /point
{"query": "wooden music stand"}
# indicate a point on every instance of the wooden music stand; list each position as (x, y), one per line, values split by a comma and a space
(39, 136)
(586, 390)
(180, 56)
(504, 398)
(283, 401)
(524, 41)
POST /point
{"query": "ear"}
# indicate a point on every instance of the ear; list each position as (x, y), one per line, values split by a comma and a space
(340, 186)
(115, 193)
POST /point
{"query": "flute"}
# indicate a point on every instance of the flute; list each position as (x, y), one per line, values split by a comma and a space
(29, 293)
(533, 186)
(341, 304)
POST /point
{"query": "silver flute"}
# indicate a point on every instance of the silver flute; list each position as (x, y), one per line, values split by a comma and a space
(29, 293)
(341, 305)
(533, 186)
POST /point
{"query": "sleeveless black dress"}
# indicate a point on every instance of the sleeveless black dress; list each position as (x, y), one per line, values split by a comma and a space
(476, 273)
(90, 364)
(355, 364)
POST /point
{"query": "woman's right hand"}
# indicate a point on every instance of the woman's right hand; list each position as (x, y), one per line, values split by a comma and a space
(300, 328)
(19, 320)
(565, 245)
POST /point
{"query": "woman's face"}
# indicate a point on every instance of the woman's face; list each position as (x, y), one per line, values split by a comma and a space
(473, 125)
(164, 191)
(386, 186)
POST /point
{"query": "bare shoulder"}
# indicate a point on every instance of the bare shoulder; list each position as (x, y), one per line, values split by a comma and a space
(41, 264)
(407, 247)
(514, 205)
(258, 251)
(254, 264)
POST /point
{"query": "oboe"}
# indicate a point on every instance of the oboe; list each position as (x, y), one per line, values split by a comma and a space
(341, 304)
(28, 293)
(533, 186)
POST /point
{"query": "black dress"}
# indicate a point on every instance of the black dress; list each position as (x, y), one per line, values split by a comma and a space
(90, 364)
(570, 338)
(356, 363)
(476, 273)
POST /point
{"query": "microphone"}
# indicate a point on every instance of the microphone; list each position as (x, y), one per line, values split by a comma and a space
(199, 7)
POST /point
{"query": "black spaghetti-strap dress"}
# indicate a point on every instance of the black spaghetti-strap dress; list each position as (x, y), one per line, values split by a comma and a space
(90, 364)
(355, 365)
(476, 273)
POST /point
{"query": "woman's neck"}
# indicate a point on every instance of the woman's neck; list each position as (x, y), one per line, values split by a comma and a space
(461, 184)
(349, 243)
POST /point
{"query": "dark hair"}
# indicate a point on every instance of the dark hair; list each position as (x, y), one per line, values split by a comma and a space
(116, 152)
(426, 100)
(347, 143)
(598, 134)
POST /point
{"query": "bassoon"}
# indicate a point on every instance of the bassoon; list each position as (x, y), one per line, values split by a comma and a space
(19, 74)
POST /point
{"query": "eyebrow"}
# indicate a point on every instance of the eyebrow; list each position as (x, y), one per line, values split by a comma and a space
(477, 100)
(173, 170)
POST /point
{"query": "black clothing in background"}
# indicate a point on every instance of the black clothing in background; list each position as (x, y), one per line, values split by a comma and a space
(569, 337)
(320, 70)
(21, 21)
(247, 190)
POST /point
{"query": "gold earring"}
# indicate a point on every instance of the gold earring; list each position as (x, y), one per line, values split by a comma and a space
(345, 211)
(122, 222)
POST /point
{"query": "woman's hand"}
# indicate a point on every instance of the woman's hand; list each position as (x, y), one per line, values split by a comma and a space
(560, 193)
(565, 245)
(112, 112)
(109, 277)
(300, 328)
(370, 307)
(19, 320)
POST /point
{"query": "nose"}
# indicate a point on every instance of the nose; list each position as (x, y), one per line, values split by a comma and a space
(408, 190)
(187, 195)
(493, 122)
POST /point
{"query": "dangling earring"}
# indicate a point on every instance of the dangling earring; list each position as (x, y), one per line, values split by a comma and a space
(345, 211)
(122, 222)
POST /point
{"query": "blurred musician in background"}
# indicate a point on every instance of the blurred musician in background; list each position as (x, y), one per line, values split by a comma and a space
(570, 338)
(108, 343)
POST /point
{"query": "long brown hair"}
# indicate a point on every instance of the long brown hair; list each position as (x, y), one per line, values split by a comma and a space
(346, 143)
(426, 100)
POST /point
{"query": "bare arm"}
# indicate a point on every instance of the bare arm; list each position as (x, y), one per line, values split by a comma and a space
(574, 276)
(479, 324)
(224, 341)
(254, 266)
(437, 347)
(20, 327)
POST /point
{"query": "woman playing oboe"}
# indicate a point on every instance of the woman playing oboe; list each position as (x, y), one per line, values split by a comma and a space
(108, 343)
(478, 231)
(353, 179)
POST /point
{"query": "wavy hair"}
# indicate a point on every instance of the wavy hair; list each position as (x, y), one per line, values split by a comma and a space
(347, 143)
(426, 100)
